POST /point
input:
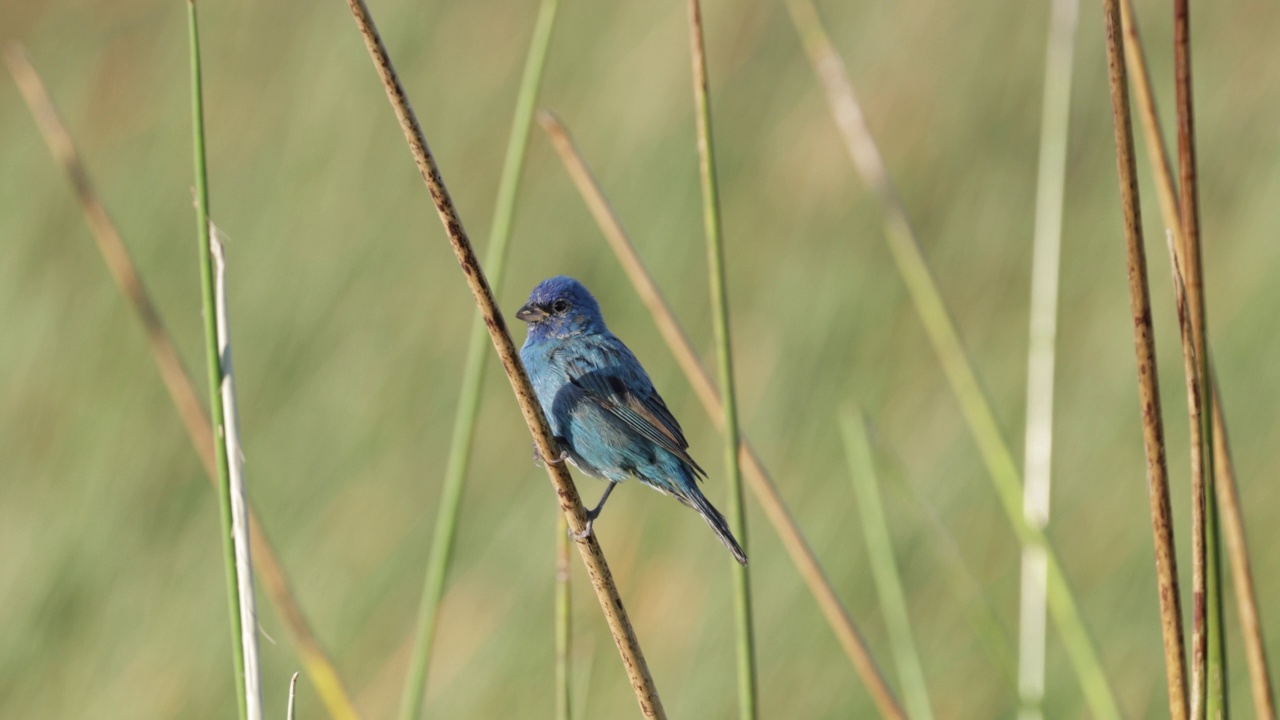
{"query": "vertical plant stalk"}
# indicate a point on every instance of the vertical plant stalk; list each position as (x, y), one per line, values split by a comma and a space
(747, 693)
(214, 361)
(1226, 494)
(1042, 336)
(1148, 379)
(293, 689)
(563, 626)
(766, 492)
(238, 492)
(1190, 364)
(942, 333)
(570, 504)
(411, 705)
(884, 567)
(320, 669)
(1208, 660)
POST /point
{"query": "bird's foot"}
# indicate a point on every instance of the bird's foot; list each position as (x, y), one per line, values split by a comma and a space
(540, 461)
(587, 530)
(559, 459)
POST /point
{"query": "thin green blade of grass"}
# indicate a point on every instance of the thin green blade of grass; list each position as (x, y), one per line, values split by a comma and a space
(1042, 349)
(884, 568)
(606, 590)
(1148, 379)
(916, 275)
(216, 370)
(747, 692)
(320, 669)
(1226, 492)
(762, 485)
(411, 704)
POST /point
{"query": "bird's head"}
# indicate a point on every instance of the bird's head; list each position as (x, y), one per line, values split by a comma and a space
(561, 307)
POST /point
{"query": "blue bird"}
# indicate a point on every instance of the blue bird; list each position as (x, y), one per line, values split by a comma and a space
(606, 416)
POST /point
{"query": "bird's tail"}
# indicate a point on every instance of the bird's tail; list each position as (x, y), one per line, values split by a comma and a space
(699, 502)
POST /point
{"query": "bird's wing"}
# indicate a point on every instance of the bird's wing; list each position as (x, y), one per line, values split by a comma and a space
(624, 391)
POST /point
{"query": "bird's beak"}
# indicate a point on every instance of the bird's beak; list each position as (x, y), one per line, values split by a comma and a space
(530, 313)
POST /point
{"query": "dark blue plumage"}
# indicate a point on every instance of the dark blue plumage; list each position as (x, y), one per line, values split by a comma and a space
(609, 420)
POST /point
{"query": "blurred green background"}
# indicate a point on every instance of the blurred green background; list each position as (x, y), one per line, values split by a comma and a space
(350, 316)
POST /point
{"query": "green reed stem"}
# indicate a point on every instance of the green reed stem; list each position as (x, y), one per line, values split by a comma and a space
(411, 704)
(884, 568)
(747, 693)
(1042, 348)
(216, 410)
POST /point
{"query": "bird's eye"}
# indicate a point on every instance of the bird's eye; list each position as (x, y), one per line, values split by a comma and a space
(560, 306)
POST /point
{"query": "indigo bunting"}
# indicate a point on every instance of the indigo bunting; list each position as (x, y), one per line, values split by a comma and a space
(603, 410)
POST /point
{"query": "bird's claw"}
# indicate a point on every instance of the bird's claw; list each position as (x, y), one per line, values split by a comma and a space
(540, 460)
(588, 529)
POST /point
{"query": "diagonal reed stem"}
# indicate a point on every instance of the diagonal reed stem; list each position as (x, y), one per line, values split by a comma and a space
(884, 567)
(1226, 492)
(1148, 379)
(747, 692)
(570, 504)
(855, 647)
(320, 669)
(942, 333)
(464, 424)
(1041, 351)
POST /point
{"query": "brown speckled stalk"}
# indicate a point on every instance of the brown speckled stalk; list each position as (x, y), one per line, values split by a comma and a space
(1148, 380)
(1224, 473)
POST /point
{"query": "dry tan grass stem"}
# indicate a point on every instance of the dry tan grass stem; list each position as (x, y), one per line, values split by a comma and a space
(1148, 381)
(1224, 471)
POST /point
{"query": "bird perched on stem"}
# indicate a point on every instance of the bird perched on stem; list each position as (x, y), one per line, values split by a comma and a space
(604, 412)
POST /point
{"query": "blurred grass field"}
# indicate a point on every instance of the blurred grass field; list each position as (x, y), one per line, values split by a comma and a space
(350, 319)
